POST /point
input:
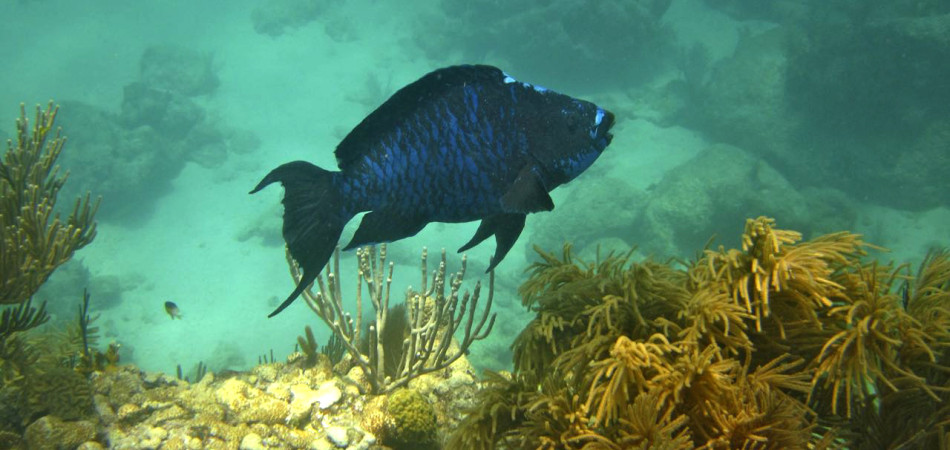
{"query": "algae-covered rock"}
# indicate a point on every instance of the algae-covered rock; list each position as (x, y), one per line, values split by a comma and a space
(53, 432)
(12, 441)
(413, 421)
(179, 69)
(744, 102)
(61, 392)
(701, 197)
(245, 403)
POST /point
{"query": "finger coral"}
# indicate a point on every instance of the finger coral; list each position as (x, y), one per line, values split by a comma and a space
(783, 343)
(420, 338)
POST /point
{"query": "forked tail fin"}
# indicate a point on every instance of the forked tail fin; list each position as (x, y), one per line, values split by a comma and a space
(314, 218)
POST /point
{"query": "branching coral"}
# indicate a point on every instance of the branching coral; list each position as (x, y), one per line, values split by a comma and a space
(433, 317)
(34, 239)
(783, 344)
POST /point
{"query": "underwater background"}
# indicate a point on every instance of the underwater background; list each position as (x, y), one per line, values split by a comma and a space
(824, 115)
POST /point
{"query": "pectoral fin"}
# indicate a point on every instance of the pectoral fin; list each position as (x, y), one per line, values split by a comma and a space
(527, 194)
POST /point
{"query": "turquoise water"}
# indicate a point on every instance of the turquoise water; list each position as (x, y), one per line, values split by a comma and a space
(724, 112)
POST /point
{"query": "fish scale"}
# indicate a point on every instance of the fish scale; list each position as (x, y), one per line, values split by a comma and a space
(461, 143)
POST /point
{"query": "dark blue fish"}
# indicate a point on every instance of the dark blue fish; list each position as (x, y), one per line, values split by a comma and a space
(460, 144)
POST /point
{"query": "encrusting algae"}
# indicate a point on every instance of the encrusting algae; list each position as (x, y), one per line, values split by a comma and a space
(785, 343)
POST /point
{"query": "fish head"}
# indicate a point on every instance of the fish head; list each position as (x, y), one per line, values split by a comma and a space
(576, 132)
(599, 130)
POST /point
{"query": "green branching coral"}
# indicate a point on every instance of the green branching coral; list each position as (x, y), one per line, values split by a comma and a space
(784, 343)
(33, 237)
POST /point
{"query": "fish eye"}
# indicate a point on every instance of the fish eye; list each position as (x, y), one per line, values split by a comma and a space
(571, 122)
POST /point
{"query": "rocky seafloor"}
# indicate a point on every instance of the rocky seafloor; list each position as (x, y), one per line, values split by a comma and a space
(276, 405)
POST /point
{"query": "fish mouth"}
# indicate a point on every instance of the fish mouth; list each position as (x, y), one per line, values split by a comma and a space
(606, 124)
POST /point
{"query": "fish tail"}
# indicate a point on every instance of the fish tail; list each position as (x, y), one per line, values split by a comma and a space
(314, 217)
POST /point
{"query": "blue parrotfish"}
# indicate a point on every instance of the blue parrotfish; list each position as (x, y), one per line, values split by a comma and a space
(460, 144)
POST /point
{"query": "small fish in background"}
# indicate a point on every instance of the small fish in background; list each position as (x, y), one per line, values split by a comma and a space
(460, 144)
(172, 309)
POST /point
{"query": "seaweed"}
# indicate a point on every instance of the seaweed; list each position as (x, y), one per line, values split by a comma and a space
(784, 343)
(334, 349)
(90, 358)
(21, 318)
(308, 346)
(200, 370)
(266, 358)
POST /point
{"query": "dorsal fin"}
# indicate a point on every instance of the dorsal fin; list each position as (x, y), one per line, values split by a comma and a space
(405, 102)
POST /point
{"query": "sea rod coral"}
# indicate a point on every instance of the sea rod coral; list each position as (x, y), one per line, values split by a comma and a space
(433, 318)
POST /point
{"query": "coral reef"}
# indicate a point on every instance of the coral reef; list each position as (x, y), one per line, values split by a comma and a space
(59, 391)
(779, 343)
(34, 239)
(283, 405)
(783, 343)
(421, 331)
